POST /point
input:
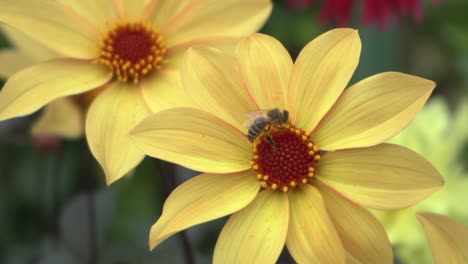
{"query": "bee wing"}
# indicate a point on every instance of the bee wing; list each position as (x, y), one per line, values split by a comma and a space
(252, 115)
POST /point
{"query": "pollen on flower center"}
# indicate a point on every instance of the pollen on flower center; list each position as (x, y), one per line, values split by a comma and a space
(286, 160)
(132, 50)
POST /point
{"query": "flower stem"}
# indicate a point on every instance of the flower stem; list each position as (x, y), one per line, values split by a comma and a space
(170, 181)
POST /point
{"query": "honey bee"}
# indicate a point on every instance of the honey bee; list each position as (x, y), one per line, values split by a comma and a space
(263, 120)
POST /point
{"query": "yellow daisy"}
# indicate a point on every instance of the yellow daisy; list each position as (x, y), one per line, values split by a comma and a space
(132, 47)
(304, 182)
(62, 117)
(447, 238)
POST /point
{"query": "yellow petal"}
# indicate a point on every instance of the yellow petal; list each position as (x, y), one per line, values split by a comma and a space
(160, 12)
(204, 198)
(320, 74)
(35, 51)
(312, 238)
(373, 110)
(12, 61)
(51, 24)
(194, 139)
(211, 80)
(100, 14)
(34, 87)
(175, 54)
(257, 233)
(110, 118)
(361, 233)
(130, 9)
(62, 117)
(164, 90)
(265, 66)
(385, 176)
(447, 238)
(201, 19)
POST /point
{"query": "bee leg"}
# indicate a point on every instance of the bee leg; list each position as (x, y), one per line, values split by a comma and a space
(268, 138)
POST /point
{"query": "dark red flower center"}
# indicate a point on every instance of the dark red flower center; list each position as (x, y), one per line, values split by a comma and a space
(132, 50)
(286, 159)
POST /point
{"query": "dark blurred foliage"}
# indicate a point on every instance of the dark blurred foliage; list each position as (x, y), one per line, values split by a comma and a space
(56, 208)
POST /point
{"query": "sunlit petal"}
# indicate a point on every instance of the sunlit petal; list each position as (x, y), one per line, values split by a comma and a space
(320, 74)
(362, 235)
(265, 67)
(385, 176)
(98, 13)
(257, 233)
(62, 117)
(34, 87)
(373, 110)
(204, 198)
(51, 24)
(35, 51)
(447, 238)
(110, 118)
(131, 9)
(211, 80)
(312, 238)
(201, 19)
(194, 139)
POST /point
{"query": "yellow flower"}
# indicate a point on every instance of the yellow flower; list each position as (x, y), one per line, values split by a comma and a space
(304, 182)
(62, 117)
(447, 238)
(440, 137)
(131, 47)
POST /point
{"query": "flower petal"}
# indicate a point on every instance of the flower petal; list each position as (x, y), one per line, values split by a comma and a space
(204, 198)
(320, 74)
(130, 9)
(160, 12)
(201, 19)
(373, 110)
(265, 66)
(164, 90)
(110, 118)
(362, 235)
(447, 238)
(12, 61)
(312, 238)
(35, 51)
(98, 13)
(194, 139)
(34, 87)
(385, 176)
(211, 80)
(257, 233)
(62, 117)
(49, 20)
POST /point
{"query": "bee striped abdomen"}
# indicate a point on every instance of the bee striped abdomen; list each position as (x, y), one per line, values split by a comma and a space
(257, 127)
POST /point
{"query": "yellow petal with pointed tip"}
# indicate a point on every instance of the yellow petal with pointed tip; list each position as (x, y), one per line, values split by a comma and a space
(373, 110)
(362, 235)
(447, 238)
(201, 19)
(194, 139)
(12, 61)
(257, 233)
(211, 80)
(164, 90)
(384, 177)
(100, 14)
(265, 67)
(320, 74)
(204, 198)
(34, 87)
(110, 118)
(312, 238)
(51, 24)
(62, 117)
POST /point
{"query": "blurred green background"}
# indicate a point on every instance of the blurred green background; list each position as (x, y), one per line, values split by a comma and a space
(55, 210)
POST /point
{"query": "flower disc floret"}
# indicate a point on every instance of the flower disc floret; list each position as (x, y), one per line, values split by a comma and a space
(286, 160)
(132, 50)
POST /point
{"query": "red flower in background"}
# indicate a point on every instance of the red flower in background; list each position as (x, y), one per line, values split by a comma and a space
(375, 11)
